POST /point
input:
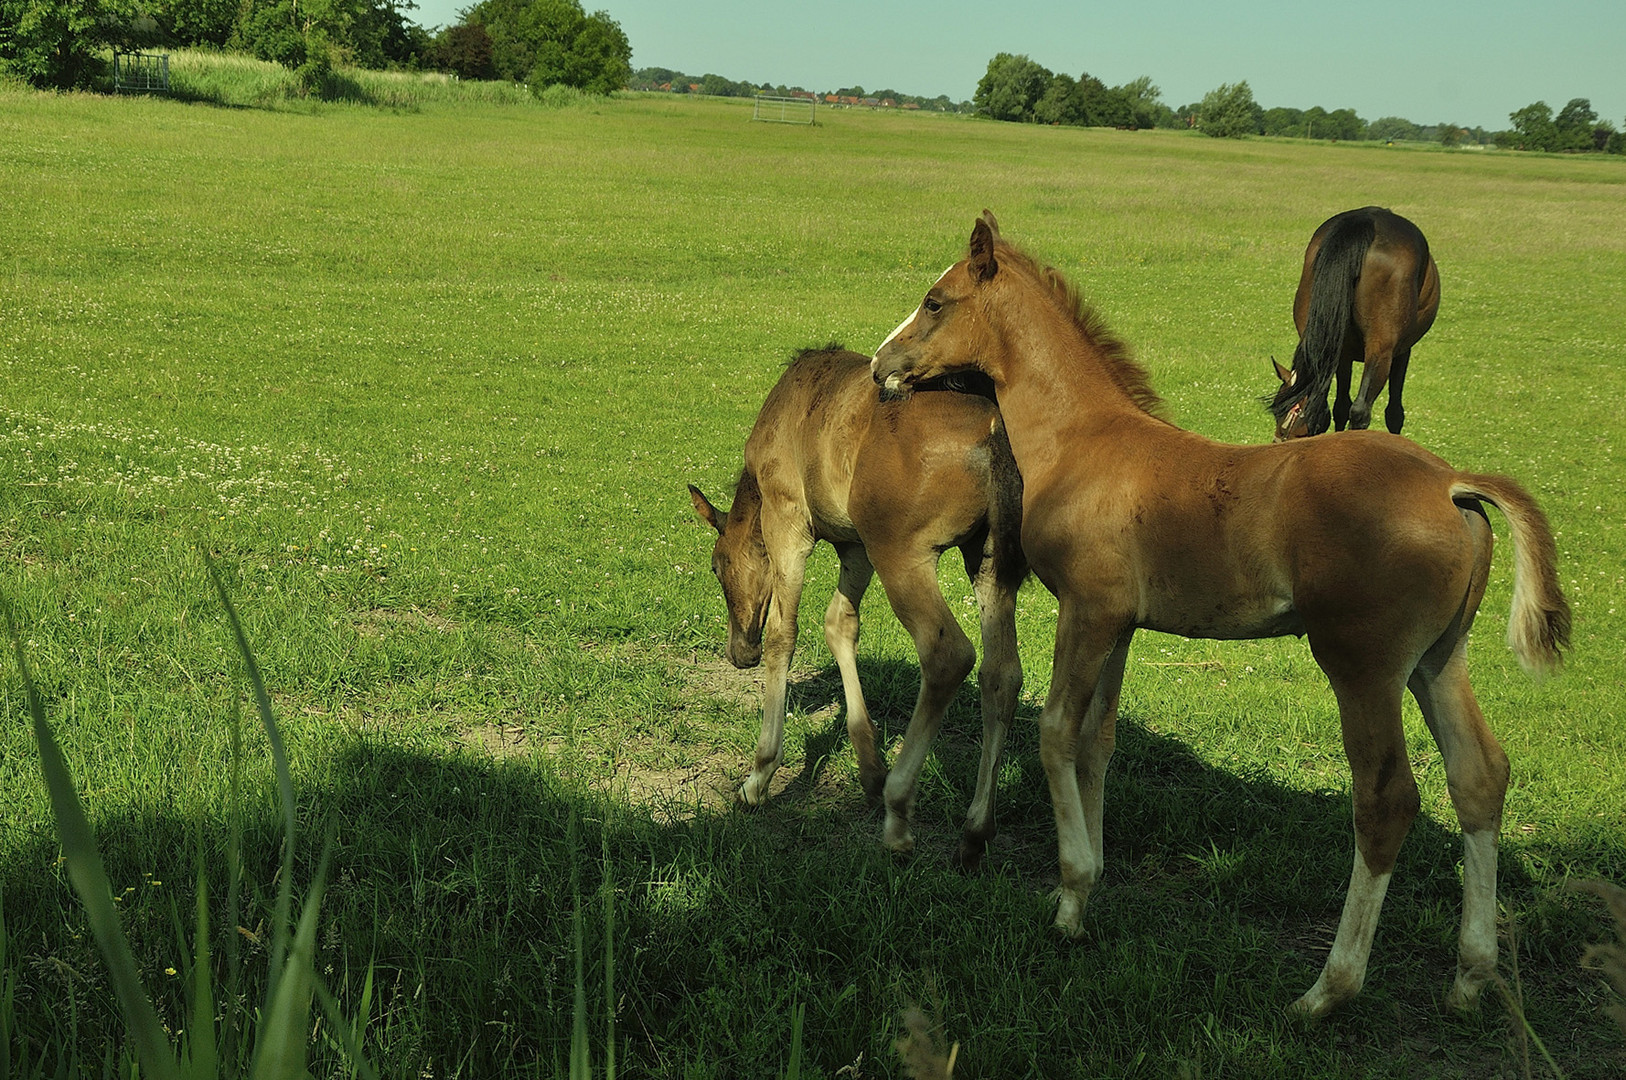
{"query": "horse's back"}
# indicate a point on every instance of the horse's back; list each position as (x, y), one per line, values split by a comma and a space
(916, 470)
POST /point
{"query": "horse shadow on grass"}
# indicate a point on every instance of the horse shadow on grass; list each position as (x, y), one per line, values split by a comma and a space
(456, 878)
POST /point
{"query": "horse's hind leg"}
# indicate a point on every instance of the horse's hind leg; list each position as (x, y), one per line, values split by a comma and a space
(946, 658)
(1379, 359)
(1394, 414)
(841, 635)
(1000, 681)
(1476, 772)
(1386, 801)
(1340, 400)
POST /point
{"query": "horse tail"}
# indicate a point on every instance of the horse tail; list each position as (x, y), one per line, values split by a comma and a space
(1336, 269)
(1539, 626)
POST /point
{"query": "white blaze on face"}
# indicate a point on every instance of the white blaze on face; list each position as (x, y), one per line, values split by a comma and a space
(900, 327)
(897, 330)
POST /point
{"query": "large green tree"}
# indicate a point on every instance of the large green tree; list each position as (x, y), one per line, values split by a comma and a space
(1012, 86)
(545, 42)
(1145, 103)
(1229, 112)
(1533, 127)
(1574, 126)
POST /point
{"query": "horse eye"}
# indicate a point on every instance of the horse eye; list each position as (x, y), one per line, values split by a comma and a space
(932, 305)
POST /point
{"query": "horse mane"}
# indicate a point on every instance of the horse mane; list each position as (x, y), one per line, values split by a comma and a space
(1117, 357)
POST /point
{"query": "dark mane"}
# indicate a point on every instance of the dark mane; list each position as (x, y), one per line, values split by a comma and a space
(1092, 326)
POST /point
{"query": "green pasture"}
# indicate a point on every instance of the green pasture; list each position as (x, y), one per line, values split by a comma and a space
(428, 385)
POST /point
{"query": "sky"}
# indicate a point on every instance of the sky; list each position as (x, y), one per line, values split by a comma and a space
(1430, 61)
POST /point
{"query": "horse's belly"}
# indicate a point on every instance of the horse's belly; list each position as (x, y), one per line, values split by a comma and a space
(1231, 618)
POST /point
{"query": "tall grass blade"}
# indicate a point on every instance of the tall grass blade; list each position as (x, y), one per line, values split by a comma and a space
(202, 1052)
(232, 1020)
(89, 880)
(581, 1067)
(793, 1069)
(609, 956)
(285, 781)
(350, 1035)
(282, 1040)
(8, 991)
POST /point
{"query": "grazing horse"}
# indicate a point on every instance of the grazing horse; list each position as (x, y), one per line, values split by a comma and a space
(1374, 549)
(892, 484)
(1369, 292)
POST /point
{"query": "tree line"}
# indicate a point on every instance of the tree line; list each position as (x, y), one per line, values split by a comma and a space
(60, 43)
(1018, 89)
(676, 82)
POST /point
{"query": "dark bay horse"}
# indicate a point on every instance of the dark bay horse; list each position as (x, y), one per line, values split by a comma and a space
(892, 485)
(1374, 549)
(1369, 291)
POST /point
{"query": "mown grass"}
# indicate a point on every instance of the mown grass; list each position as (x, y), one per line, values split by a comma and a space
(429, 386)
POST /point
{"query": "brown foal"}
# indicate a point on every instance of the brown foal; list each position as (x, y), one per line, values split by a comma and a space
(891, 485)
(1371, 547)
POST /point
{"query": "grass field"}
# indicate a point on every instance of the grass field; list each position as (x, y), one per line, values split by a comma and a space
(429, 386)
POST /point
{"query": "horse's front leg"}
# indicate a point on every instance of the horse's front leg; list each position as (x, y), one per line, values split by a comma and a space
(946, 658)
(778, 649)
(1076, 738)
(841, 635)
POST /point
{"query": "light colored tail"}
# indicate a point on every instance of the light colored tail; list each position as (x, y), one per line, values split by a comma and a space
(1539, 626)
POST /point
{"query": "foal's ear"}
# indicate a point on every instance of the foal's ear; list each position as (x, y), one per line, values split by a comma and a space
(1287, 377)
(993, 223)
(708, 513)
(982, 264)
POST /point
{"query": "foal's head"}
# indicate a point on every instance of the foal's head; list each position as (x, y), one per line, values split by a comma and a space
(948, 331)
(994, 306)
(739, 561)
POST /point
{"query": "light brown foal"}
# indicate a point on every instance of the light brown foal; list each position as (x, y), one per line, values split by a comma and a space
(892, 485)
(1371, 547)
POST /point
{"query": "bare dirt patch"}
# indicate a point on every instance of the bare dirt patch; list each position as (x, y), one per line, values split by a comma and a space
(377, 621)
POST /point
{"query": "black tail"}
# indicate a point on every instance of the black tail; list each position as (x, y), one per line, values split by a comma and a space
(1332, 298)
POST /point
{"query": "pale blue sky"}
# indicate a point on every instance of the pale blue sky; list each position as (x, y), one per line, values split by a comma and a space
(1470, 63)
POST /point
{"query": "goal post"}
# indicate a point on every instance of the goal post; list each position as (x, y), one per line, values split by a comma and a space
(783, 110)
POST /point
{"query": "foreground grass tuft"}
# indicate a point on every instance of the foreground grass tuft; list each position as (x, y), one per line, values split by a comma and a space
(279, 1032)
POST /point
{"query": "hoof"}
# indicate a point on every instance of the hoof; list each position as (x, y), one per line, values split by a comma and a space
(752, 794)
(1070, 914)
(1322, 998)
(895, 835)
(968, 856)
(1464, 996)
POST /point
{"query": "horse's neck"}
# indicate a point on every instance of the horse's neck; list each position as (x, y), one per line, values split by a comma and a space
(1053, 387)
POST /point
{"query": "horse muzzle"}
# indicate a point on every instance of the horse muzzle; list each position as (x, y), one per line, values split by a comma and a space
(744, 654)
